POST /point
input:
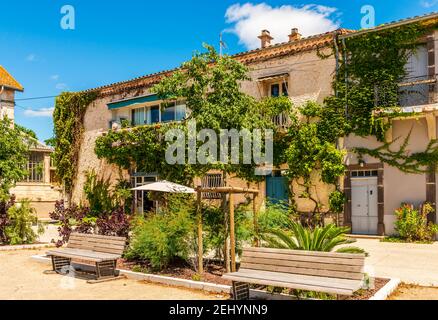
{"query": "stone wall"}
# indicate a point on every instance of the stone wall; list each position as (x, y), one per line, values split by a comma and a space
(41, 196)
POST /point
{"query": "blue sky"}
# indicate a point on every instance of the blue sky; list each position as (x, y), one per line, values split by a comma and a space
(119, 40)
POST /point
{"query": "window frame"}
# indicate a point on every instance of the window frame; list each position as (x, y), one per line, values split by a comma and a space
(176, 105)
(283, 86)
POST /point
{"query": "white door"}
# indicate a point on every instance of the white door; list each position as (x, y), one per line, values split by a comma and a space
(364, 215)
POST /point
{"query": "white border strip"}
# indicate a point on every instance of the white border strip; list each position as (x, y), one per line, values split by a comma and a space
(210, 287)
(387, 290)
(382, 294)
(27, 247)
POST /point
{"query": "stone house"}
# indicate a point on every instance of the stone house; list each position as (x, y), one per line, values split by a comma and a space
(294, 68)
(375, 189)
(39, 186)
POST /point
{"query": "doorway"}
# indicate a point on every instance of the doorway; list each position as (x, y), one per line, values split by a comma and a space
(364, 204)
(277, 191)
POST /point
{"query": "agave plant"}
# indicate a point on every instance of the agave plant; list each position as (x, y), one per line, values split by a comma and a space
(317, 239)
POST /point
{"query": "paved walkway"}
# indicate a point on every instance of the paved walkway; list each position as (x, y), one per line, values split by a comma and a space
(412, 263)
(22, 278)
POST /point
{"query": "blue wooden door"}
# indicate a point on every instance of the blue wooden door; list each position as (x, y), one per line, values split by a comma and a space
(276, 189)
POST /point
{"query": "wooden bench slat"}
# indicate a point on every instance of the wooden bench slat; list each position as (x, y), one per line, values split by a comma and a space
(303, 264)
(95, 244)
(305, 258)
(83, 254)
(291, 285)
(303, 271)
(308, 253)
(92, 239)
(97, 249)
(101, 242)
(330, 272)
(98, 243)
(96, 236)
(287, 277)
(87, 253)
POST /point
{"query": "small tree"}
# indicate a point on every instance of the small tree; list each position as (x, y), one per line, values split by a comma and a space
(14, 149)
(311, 153)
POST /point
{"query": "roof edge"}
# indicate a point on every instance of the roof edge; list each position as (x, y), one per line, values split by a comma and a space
(393, 24)
(237, 55)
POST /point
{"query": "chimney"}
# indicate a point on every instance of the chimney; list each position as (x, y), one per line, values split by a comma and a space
(265, 38)
(294, 35)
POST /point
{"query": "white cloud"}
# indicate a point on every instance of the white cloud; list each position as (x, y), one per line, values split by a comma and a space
(43, 112)
(61, 86)
(250, 19)
(428, 3)
(54, 77)
(31, 57)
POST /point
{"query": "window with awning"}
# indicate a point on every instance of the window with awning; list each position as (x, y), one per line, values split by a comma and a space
(148, 110)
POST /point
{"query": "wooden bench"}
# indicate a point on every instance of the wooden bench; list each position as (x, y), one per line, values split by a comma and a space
(341, 274)
(101, 252)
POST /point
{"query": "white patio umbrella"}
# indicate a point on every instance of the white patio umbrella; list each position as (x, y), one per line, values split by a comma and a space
(165, 186)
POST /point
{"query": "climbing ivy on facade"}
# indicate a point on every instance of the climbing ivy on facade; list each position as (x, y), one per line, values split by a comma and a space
(371, 67)
(68, 119)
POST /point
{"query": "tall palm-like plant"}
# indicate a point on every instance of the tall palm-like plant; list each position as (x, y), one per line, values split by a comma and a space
(317, 239)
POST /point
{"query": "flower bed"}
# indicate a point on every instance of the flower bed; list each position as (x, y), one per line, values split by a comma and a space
(213, 272)
(180, 269)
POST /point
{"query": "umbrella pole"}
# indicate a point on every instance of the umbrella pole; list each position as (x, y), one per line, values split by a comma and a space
(256, 227)
(232, 235)
(226, 245)
(200, 243)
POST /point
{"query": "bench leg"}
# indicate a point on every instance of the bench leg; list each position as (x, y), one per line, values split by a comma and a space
(240, 291)
(59, 264)
(106, 269)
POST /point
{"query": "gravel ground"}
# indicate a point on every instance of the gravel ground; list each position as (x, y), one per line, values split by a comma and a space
(414, 292)
(22, 279)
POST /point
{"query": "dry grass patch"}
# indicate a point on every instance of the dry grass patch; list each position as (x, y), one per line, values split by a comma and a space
(414, 292)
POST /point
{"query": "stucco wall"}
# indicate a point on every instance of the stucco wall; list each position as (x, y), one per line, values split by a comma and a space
(7, 98)
(96, 122)
(399, 187)
(41, 196)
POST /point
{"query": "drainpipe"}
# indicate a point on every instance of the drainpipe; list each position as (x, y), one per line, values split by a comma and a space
(340, 140)
(335, 43)
(344, 47)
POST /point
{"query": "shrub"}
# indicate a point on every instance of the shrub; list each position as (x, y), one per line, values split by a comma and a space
(103, 198)
(299, 237)
(275, 215)
(117, 223)
(412, 225)
(22, 217)
(160, 238)
(214, 228)
(4, 219)
(98, 194)
(71, 219)
(80, 219)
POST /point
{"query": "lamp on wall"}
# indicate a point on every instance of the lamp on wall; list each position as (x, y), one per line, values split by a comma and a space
(361, 163)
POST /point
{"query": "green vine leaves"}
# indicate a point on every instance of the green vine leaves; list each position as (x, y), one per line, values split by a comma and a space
(366, 87)
(14, 151)
(68, 119)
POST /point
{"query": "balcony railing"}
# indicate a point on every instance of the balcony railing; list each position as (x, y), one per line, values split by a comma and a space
(282, 121)
(414, 91)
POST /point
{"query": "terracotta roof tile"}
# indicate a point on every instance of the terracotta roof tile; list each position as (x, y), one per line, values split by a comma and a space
(8, 81)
